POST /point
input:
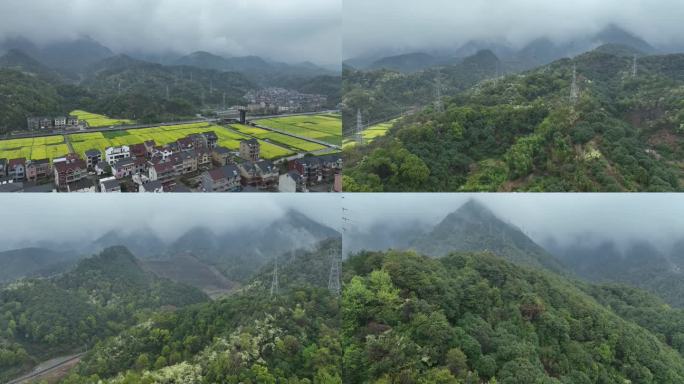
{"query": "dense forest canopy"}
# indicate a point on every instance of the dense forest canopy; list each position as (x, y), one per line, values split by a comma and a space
(470, 318)
(524, 133)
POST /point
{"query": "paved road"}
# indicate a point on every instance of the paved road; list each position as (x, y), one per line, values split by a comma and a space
(47, 367)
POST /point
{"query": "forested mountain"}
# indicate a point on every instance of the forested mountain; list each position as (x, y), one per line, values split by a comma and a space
(57, 78)
(251, 336)
(639, 264)
(472, 318)
(69, 57)
(524, 133)
(101, 296)
(539, 51)
(408, 62)
(382, 94)
(31, 262)
(474, 228)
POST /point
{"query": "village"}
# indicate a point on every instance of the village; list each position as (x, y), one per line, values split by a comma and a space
(195, 163)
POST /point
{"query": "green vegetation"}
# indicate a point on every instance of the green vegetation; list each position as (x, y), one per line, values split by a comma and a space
(370, 133)
(249, 337)
(279, 138)
(472, 318)
(95, 121)
(100, 297)
(324, 127)
(47, 147)
(522, 133)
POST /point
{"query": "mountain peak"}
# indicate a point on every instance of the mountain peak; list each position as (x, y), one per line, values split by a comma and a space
(473, 227)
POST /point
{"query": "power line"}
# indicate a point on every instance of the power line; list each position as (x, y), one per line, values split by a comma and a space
(274, 281)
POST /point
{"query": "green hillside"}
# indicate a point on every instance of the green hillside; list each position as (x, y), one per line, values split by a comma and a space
(42, 318)
(523, 133)
(471, 318)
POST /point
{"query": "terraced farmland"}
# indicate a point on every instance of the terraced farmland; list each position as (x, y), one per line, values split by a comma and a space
(230, 139)
(288, 141)
(47, 147)
(326, 127)
(95, 121)
(55, 146)
(370, 133)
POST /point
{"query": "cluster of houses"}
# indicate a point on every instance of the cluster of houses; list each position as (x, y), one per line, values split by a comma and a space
(194, 160)
(58, 122)
(280, 100)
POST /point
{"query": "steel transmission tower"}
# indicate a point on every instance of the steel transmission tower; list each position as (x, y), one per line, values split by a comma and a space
(634, 66)
(334, 278)
(439, 107)
(359, 127)
(574, 88)
(274, 282)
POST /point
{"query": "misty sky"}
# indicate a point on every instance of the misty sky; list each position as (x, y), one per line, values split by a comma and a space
(285, 30)
(621, 217)
(439, 24)
(85, 217)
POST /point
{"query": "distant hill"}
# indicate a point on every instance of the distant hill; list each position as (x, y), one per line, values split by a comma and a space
(68, 56)
(474, 228)
(189, 270)
(640, 264)
(18, 60)
(383, 93)
(409, 62)
(31, 262)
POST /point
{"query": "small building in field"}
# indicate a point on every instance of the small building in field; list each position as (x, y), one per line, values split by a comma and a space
(250, 149)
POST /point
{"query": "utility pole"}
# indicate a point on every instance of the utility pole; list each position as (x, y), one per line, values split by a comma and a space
(224, 101)
(167, 92)
(359, 127)
(574, 88)
(274, 282)
(439, 107)
(119, 89)
(334, 278)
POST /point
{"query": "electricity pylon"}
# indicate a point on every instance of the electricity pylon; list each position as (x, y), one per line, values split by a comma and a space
(574, 88)
(274, 281)
(334, 278)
